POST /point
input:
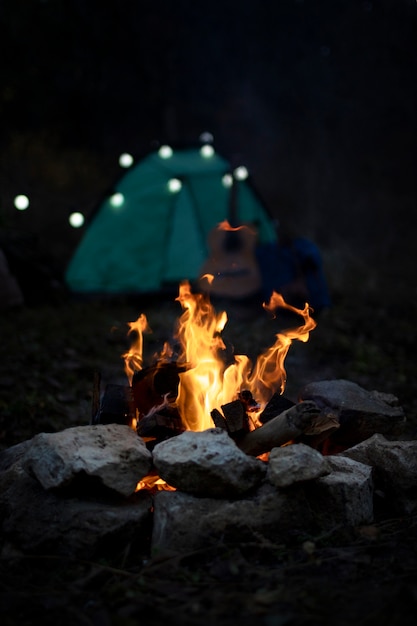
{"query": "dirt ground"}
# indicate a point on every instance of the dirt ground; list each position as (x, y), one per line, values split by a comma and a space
(361, 575)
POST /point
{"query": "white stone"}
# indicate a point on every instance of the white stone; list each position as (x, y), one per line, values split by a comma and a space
(111, 453)
(345, 495)
(207, 463)
(183, 522)
(395, 469)
(295, 463)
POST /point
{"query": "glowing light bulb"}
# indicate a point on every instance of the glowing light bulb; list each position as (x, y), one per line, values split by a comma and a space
(241, 173)
(227, 180)
(174, 185)
(21, 202)
(207, 151)
(76, 219)
(117, 199)
(125, 160)
(165, 152)
(206, 137)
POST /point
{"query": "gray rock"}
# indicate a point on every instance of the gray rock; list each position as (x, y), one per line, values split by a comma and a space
(183, 522)
(395, 469)
(11, 469)
(34, 521)
(111, 453)
(10, 456)
(295, 463)
(361, 413)
(345, 496)
(207, 463)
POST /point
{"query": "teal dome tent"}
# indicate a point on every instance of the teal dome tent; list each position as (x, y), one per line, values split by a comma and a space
(152, 231)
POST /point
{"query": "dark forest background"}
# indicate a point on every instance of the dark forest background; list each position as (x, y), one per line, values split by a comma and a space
(317, 97)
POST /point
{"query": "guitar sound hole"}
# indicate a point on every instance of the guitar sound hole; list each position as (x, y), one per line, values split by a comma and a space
(232, 241)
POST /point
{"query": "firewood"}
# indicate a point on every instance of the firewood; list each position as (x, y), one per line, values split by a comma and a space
(116, 407)
(281, 429)
(160, 424)
(322, 427)
(236, 417)
(277, 404)
(218, 419)
(151, 384)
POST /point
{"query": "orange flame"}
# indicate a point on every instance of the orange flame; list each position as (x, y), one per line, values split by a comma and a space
(208, 382)
(133, 358)
(205, 384)
(269, 372)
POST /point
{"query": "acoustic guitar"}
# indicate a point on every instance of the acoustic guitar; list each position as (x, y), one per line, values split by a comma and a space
(231, 270)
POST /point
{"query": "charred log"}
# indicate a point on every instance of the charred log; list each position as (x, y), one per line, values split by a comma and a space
(234, 419)
(116, 407)
(153, 384)
(277, 404)
(320, 430)
(281, 429)
(161, 424)
(246, 397)
(218, 419)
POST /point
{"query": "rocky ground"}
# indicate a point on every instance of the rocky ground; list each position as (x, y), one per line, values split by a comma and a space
(366, 575)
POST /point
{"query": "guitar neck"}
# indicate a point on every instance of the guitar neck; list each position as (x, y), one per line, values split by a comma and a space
(232, 208)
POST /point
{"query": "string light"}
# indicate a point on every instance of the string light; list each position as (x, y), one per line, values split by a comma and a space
(125, 160)
(76, 219)
(117, 199)
(21, 202)
(174, 185)
(207, 151)
(206, 137)
(227, 180)
(165, 152)
(241, 173)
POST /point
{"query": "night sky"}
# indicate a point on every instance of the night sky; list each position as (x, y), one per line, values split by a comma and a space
(317, 98)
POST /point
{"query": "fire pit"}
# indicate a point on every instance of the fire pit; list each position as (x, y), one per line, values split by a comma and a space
(202, 446)
(197, 383)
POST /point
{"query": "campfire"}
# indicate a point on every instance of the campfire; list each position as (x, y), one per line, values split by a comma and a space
(196, 384)
(207, 377)
(202, 446)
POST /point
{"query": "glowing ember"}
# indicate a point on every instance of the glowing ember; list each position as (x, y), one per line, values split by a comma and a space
(208, 382)
(153, 483)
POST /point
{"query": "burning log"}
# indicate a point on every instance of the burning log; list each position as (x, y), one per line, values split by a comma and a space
(276, 405)
(218, 419)
(281, 429)
(162, 423)
(234, 419)
(152, 384)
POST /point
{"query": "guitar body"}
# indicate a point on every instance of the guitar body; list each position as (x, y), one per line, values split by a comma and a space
(231, 271)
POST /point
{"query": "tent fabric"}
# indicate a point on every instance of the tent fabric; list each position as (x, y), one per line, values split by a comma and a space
(158, 237)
